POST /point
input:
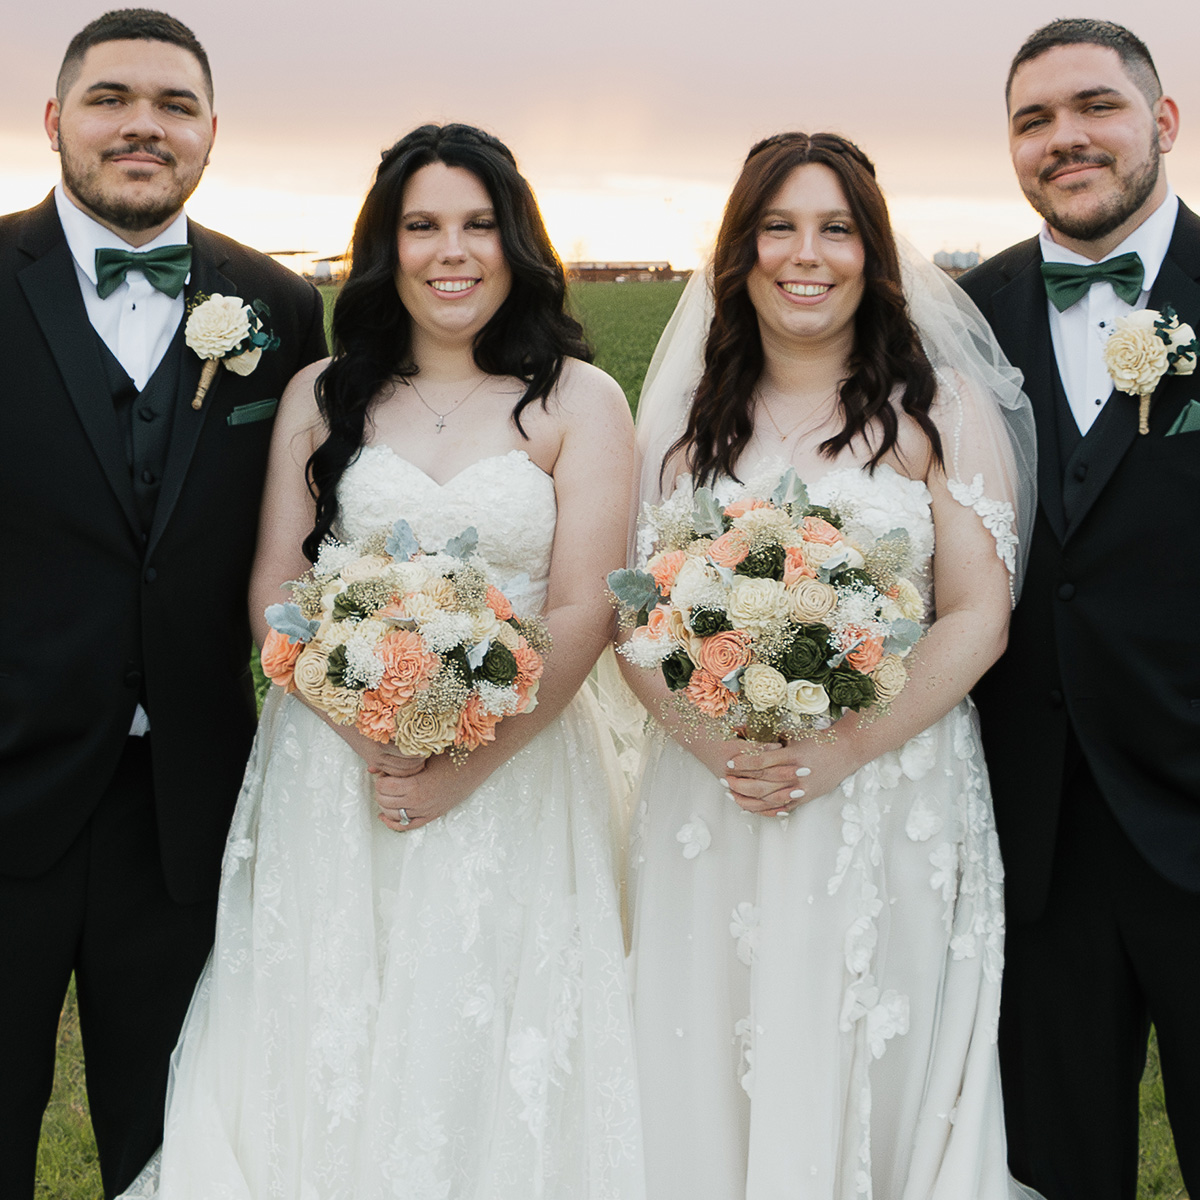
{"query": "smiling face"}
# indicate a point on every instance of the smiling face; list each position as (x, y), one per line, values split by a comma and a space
(808, 281)
(1085, 143)
(452, 275)
(133, 133)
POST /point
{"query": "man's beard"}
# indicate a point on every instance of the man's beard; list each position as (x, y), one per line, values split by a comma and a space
(1133, 190)
(87, 186)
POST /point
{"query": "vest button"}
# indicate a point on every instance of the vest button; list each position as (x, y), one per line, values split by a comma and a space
(1066, 591)
(133, 679)
(149, 477)
(1056, 699)
(151, 575)
(1081, 472)
(147, 413)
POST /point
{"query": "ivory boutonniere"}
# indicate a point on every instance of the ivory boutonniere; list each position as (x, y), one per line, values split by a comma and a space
(1145, 346)
(225, 329)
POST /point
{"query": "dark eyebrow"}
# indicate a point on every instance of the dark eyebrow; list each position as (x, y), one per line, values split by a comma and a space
(125, 89)
(783, 212)
(421, 212)
(1086, 94)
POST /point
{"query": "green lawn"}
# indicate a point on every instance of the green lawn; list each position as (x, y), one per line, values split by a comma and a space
(622, 322)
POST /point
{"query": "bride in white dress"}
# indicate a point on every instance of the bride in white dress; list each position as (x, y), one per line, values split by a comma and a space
(818, 926)
(417, 988)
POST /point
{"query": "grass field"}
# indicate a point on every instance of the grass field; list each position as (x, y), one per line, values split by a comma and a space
(623, 322)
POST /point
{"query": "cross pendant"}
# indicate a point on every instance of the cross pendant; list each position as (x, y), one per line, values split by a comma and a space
(441, 424)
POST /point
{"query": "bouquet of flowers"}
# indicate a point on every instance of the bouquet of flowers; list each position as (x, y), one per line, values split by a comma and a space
(410, 647)
(764, 617)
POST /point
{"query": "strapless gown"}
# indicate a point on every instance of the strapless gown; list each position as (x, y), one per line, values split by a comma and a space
(817, 999)
(437, 1015)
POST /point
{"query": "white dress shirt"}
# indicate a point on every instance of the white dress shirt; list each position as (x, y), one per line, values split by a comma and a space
(1079, 332)
(136, 321)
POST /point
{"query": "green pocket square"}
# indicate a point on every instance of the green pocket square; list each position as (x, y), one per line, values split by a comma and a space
(260, 410)
(1188, 420)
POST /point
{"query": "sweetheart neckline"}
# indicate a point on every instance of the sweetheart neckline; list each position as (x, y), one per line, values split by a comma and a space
(383, 446)
(849, 469)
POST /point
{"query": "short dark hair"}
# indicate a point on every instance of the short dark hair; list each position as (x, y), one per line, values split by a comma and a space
(1085, 31)
(130, 24)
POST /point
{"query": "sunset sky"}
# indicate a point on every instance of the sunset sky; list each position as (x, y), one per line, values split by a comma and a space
(629, 117)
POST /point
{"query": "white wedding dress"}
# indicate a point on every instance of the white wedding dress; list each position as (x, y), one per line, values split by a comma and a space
(437, 1015)
(817, 998)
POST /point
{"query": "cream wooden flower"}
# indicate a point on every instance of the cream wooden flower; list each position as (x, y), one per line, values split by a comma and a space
(217, 326)
(214, 330)
(1136, 357)
(1145, 346)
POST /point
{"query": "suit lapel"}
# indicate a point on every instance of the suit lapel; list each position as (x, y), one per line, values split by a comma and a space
(1019, 320)
(206, 278)
(1175, 285)
(52, 289)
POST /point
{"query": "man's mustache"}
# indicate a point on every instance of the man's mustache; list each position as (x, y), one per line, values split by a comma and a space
(1075, 160)
(148, 148)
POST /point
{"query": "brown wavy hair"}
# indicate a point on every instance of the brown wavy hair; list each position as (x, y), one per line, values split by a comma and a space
(887, 351)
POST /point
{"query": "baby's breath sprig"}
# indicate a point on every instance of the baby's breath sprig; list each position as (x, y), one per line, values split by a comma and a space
(445, 693)
(535, 633)
(470, 586)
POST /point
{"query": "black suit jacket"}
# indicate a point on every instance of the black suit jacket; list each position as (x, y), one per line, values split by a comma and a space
(1106, 637)
(93, 613)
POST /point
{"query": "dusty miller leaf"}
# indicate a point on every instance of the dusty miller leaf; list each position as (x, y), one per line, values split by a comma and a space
(708, 516)
(289, 621)
(402, 543)
(634, 590)
(465, 544)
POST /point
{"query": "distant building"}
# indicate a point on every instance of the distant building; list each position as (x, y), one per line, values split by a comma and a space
(957, 262)
(329, 270)
(624, 272)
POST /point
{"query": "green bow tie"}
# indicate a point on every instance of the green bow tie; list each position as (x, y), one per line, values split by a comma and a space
(165, 268)
(1067, 283)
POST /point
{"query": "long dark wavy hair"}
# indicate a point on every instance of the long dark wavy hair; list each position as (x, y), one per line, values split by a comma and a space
(887, 351)
(528, 336)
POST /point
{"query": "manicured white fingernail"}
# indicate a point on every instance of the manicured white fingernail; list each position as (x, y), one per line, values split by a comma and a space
(796, 794)
(782, 812)
(729, 796)
(802, 771)
(729, 764)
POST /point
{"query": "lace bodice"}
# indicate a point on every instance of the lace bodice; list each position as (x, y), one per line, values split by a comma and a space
(507, 498)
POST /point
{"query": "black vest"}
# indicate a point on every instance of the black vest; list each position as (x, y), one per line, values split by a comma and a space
(145, 420)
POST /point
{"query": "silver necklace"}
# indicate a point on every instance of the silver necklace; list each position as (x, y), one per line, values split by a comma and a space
(441, 416)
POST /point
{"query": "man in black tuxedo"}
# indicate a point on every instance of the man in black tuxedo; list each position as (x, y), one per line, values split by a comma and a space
(1091, 720)
(126, 705)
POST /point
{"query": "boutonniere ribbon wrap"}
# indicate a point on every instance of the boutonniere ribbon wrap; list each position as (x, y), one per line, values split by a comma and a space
(1145, 346)
(225, 329)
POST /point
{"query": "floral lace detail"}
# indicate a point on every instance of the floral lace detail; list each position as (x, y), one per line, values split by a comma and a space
(415, 1164)
(694, 836)
(998, 517)
(743, 928)
(743, 1036)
